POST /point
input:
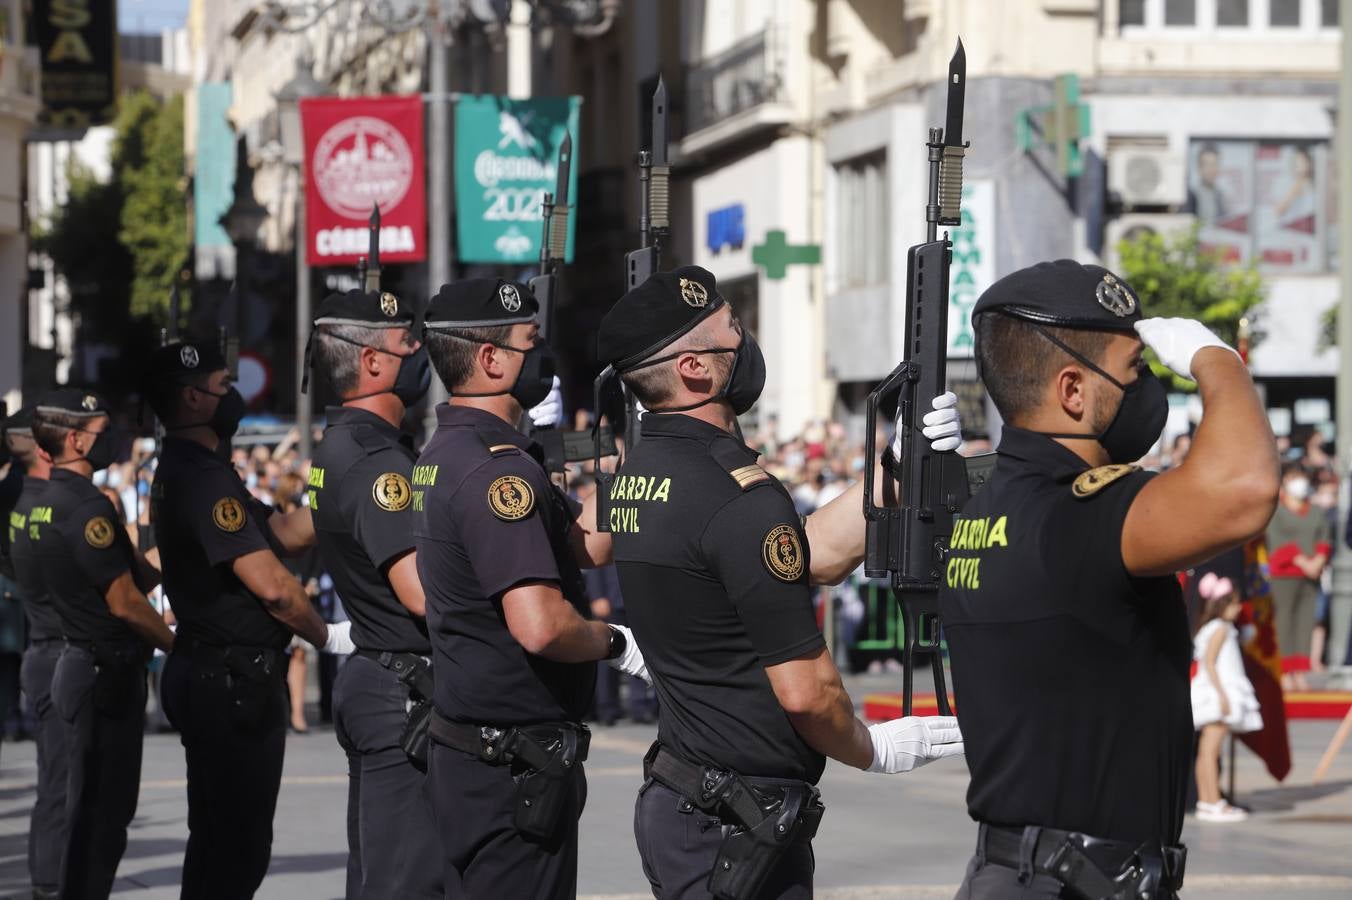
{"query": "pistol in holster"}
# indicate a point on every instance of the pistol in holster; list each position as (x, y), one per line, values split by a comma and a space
(1092, 869)
(768, 815)
(417, 675)
(253, 683)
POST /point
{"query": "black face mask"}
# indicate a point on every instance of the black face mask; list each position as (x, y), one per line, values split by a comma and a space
(100, 453)
(410, 382)
(1140, 417)
(224, 422)
(745, 382)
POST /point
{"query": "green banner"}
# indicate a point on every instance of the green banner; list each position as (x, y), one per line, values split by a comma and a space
(506, 158)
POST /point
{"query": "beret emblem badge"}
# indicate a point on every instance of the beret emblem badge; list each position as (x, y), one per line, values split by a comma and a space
(187, 355)
(389, 305)
(510, 297)
(1115, 297)
(694, 293)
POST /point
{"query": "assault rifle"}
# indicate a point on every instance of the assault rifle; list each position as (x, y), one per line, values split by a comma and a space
(561, 446)
(654, 224)
(909, 542)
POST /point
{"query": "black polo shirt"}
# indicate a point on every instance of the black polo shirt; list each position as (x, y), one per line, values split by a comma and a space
(1071, 675)
(204, 521)
(81, 547)
(361, 497)
(714, 568)
(486, 518)
(43, 622)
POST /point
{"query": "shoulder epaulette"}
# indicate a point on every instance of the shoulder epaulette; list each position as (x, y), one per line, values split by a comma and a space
(503, 449)
(369, 439)
(1092, 481)
(731, 455)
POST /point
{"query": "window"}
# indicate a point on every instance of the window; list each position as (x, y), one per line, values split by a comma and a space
(1284, 13)
(1180, 12)
(1328, 13)
(861, 216)
(1232, 13)
(1132, 12)
(1266, 202)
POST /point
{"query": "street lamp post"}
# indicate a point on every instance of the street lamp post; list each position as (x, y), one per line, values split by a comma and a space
(301, 86)
(241, 222)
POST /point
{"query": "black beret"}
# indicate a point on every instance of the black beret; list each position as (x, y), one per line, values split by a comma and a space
(70, 402)
(656, 313)
(1065, 294)
(181, 359)
(368, 309)
(480, 303)
(19, 423)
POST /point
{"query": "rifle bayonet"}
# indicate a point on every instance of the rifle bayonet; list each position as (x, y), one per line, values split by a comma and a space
(369, 274)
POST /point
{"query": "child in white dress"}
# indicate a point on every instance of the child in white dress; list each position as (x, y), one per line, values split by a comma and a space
(1222, 697)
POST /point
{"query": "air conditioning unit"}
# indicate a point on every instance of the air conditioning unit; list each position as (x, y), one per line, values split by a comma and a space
(1147, 176)
(1129, 225)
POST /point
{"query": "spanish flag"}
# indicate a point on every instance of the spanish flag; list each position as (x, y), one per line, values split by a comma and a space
(1263, 664)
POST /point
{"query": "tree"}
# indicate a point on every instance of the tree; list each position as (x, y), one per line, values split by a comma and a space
(1175, 276)
(154, 222)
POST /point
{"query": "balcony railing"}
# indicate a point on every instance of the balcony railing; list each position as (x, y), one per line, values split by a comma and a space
(746, 75)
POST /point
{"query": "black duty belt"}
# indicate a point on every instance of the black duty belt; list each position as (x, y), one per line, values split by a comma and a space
(412, 669)
(48, 642)
(534, 745)
(1090, 867)
(257, 660)
(768, 815)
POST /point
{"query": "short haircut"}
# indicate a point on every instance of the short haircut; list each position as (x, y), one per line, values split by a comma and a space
(657, 385)
(22, 447)
(453, 352)
(337, 353)
(1016, 362)
(50, 429)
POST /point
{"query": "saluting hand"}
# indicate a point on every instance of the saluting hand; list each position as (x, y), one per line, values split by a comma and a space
(908, 743)
(1177, 341)
(549, 411)
(942, 427)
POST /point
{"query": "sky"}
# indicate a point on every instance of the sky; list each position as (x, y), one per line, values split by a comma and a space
(150, 15)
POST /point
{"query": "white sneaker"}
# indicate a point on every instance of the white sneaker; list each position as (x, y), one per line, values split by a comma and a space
(1219, 812)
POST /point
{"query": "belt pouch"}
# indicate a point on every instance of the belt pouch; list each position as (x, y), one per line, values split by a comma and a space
(752, 849)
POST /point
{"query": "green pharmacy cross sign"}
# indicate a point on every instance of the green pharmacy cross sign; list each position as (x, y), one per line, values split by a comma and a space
(776, 254)
(1060, 125)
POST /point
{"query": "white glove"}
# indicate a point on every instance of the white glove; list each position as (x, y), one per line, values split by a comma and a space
(911, 742)
(1176, 341)
(630, 662)
(549, 411)
(942, 428)
(339, 641)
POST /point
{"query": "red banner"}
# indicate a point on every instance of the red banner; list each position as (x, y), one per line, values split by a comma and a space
(360, 152)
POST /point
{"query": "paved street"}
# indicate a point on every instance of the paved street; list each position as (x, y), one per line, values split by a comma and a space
(901, 837)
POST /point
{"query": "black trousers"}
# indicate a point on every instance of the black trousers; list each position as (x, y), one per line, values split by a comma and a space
(679, 843)
(47, 826)
(484, 853)
(104, 709)
(234, 735)
(393, 848)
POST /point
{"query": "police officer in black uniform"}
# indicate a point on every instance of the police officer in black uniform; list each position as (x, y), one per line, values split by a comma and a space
(97, 583)
(237, 606)
(498, 549)
(360, 496)
(716, 568)
(47, 825)
(1066, 628)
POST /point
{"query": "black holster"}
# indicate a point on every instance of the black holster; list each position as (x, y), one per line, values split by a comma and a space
(415, 672)
(545, 759)
(1092, 868)
(252, 679)
(768, 816)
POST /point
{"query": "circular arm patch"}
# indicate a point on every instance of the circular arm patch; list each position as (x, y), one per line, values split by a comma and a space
(510, 498)
(782, 553)
(391, 492)
(228, 514)
(98, 533)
